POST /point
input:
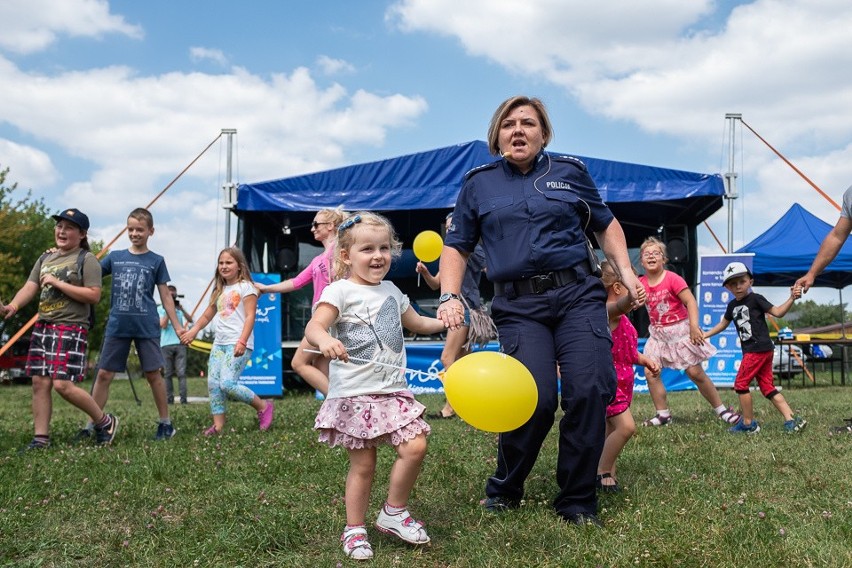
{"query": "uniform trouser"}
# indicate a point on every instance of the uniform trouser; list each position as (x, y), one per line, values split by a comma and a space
(175, 356)
(568, 326)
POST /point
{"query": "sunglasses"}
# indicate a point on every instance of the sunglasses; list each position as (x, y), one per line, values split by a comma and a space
(316, 224)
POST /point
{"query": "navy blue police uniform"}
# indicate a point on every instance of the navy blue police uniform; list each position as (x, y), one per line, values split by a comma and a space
(549, 309)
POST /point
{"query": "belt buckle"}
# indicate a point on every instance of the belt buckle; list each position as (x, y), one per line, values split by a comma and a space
(543, 282)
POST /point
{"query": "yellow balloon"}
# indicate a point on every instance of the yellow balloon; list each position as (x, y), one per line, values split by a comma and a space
(427, 246)
(491, 391)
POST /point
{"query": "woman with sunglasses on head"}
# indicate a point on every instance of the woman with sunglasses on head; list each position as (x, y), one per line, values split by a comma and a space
(312, 367)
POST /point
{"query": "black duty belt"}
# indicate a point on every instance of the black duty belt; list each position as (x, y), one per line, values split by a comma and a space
(543, 282)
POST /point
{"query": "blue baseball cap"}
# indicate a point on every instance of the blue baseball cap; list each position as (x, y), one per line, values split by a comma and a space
(74, 216)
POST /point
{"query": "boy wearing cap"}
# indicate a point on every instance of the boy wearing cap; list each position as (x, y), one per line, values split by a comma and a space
(67, 281)
(748, 312)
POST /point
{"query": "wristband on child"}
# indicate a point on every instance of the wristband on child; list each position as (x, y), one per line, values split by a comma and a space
(241, 342)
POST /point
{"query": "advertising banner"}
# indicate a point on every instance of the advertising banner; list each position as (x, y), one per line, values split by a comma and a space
(713, 299)
(264, 373)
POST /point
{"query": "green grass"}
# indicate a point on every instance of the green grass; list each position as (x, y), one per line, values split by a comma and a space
(694, 494)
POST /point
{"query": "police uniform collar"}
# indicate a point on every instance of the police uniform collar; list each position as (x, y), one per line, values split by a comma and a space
(512, 170)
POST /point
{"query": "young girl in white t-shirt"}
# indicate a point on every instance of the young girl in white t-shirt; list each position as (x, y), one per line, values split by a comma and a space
(368, 402)
(232, 310)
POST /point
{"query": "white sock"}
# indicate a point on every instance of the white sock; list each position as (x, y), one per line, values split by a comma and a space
(664, 413)
(720, 409)
(391, 510)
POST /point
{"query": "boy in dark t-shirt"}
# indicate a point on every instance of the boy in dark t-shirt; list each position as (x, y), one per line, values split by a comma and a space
(748, 312)
(133, 318)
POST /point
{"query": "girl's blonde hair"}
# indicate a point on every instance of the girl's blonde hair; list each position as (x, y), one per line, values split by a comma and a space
(346, 238)
(334, 216)
(654, 241)
(242, 270)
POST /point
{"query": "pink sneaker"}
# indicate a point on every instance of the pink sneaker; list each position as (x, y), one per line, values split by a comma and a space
(212, 431)
(264, 417)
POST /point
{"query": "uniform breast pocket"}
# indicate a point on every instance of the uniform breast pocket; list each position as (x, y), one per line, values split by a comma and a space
(565, 205)
(495, 215)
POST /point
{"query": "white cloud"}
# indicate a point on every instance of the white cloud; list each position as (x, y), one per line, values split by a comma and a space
(29, 167)
(138, 131)
(665, 64)
(33, 25)
(331, 66)
(676, 68)
(208, 54)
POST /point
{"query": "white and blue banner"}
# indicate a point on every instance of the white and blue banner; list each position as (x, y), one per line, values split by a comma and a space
(264, 373)
(713, 299)
(426, 358)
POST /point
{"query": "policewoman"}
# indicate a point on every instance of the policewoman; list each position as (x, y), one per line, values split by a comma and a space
(531, 210)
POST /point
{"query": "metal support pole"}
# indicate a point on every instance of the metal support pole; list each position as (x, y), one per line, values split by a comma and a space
(731, 176)
(229, 189)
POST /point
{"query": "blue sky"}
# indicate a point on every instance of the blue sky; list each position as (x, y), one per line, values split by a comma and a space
(105, 102)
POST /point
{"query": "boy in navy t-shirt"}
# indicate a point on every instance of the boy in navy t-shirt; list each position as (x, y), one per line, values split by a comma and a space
(748, 312)
(133, 316)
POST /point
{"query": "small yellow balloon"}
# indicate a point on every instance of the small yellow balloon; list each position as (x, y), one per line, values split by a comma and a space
(427, 246)
(491, 391)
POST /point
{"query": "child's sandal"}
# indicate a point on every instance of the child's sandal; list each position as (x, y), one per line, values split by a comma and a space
(730, 416)
(355, 544)
(613, 488)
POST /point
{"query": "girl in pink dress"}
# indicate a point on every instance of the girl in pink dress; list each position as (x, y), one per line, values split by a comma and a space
(620, 426)
(676, 340)
(312, 367)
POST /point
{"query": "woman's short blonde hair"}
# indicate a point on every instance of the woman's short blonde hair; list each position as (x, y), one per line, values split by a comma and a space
(508, 106)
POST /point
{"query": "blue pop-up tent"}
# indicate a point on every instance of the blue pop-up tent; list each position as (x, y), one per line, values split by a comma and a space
(785, 251)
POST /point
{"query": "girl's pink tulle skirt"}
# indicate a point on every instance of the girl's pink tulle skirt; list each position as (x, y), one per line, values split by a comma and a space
(671, 346)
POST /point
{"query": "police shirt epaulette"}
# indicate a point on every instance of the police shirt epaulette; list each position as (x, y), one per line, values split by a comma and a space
(570, 159)
(481, 168)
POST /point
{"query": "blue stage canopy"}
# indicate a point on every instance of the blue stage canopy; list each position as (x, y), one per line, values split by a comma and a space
(785, 251)
(643, 198)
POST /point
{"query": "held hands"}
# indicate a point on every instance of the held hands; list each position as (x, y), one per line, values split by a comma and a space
(187, 335)
(804, 283)
(796, 291)
(696, 335)
(641, 296)
(654, 366)
(451, 313)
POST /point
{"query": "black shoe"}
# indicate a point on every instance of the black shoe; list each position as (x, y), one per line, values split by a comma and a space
(105, 435)
(581, 519)
(34, 445)
(500, 504)
(171, 401)
(164, 432)
(83, 435)
(845, 429)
